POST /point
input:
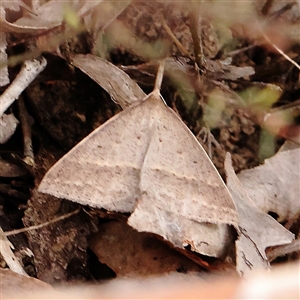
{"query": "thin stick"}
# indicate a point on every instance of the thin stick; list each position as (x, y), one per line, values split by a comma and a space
(29, 71)
(26, 122)
(175, 40)
(278, 49)
(35, 227)
(197, 38)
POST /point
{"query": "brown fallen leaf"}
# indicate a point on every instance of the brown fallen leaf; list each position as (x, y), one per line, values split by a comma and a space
(122, 89)
(257, 230)
(275, 185)
(143, 254)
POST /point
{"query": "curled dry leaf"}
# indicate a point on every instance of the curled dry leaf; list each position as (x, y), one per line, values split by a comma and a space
(122, 89)
(257, 230)
(275, 185)
(13, 27)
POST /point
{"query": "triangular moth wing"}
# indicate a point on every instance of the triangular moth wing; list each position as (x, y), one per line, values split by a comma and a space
(178, 179)
(103, 170)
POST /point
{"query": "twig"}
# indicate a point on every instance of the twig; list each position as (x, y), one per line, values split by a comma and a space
(4, 77)
(159, 76)
(278, 49)
(29, 71)
(175, 40)
(266, 8)
(17, 231)
(209, 138)
(26, 122)
(293, 104)
(197, 39)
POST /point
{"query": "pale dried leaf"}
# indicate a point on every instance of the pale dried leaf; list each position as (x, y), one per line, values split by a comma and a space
(122, 89)
(8, 255)
(257, 230)
(8, 125)
(275, 185)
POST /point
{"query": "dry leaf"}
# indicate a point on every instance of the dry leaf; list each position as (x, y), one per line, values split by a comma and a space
(9, 257)
(143, 255)
(257, 230)
(13, 27)
(275, 186)
(122, 89)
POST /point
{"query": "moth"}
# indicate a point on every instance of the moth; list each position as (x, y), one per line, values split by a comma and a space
(146, 161)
